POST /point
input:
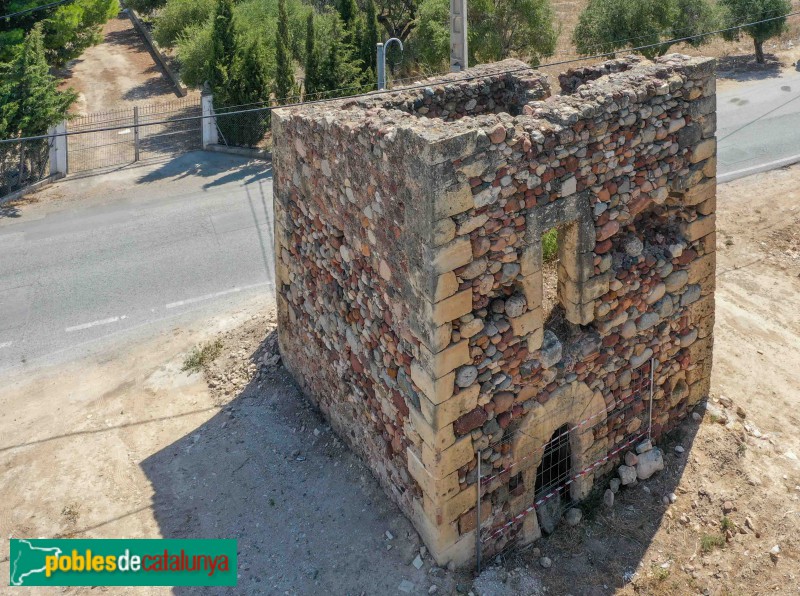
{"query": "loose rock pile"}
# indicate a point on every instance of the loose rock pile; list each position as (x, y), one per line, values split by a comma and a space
(409, 265)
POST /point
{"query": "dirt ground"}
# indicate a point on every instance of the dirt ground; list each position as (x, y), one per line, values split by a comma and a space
(127, 444)
(119, 71)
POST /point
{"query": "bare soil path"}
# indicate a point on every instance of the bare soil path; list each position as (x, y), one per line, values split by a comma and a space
(118, 71)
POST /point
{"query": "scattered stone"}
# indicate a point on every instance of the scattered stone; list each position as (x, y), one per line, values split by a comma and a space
(545, 562)
(728, 507)
(627, 475)
(608, 498)
(650, 462)
(631, 459)
(417, 562)
(644, 446)
(549, 514)
(573, 516)
(679, 449)
(406, 587)
(613, 484)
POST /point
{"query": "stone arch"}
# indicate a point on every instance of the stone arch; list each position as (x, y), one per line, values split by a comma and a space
(569, 405)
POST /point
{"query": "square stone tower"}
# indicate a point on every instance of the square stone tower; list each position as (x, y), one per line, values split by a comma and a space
(423, 307)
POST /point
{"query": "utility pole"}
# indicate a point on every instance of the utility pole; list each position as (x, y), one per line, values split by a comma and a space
(458, 35)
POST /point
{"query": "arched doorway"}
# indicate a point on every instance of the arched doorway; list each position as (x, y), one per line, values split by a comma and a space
(554, 444)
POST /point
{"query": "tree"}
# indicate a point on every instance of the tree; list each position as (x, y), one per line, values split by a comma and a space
(398, 17)
(223, 47)
(497, 29)
(177, 16)
(739, 12)
(145, 6)
(348, 11)
(370, 37)
(30, 101)
(503, 28)
(312, 80)
(284, 76)
(609, 25)
(67, 29)
(341, 73)
(249, 86)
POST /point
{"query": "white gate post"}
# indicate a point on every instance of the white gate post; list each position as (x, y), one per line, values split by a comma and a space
(58, 149)
(209, 121)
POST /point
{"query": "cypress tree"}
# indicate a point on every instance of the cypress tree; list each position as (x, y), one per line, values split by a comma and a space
(312, 83)
(370, 37)
(250, 84)
(30, 101)
(348, 10)
(284, 77)
(223, 48)
(341, 73)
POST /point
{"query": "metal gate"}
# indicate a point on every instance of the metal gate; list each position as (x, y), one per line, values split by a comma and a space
(127, 135)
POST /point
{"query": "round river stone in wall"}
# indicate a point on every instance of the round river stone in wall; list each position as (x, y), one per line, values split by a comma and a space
(466, 376)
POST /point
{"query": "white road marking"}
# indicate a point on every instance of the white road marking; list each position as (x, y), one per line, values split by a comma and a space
(107, 321)
(216, 295)
(5, 344)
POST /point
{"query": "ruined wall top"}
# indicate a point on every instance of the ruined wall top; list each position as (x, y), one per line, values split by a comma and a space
(452, 105)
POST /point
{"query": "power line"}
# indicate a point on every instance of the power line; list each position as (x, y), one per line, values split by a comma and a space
(34, 9)
(413, 87)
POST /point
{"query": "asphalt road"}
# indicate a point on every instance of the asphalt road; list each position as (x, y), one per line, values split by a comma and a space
(137, 249)
(132, 251)
(758, 125)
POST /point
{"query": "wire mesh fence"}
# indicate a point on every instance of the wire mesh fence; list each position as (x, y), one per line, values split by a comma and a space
(535, 473)
(245, 128)
(168, 129)
(23, 163)
(136, 133)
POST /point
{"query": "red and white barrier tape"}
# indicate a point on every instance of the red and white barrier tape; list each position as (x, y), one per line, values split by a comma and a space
(555, 491)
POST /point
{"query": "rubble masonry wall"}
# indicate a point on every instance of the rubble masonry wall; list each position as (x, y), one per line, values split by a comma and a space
(412, 292)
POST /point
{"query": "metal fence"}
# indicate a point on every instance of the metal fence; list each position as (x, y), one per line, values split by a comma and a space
(546, 477)
(23, 163)
(244, 126)
(137, 133)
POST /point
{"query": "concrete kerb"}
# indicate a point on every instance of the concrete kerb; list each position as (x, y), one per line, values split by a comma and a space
(18, 194)
(241, 151)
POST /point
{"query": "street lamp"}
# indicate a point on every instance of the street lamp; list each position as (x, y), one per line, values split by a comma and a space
(382, 61)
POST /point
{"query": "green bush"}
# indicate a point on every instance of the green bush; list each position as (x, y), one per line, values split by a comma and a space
(178, 18)
(550, 245)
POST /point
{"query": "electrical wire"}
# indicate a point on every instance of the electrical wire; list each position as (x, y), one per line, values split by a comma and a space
(34, 9)
(419, 86)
